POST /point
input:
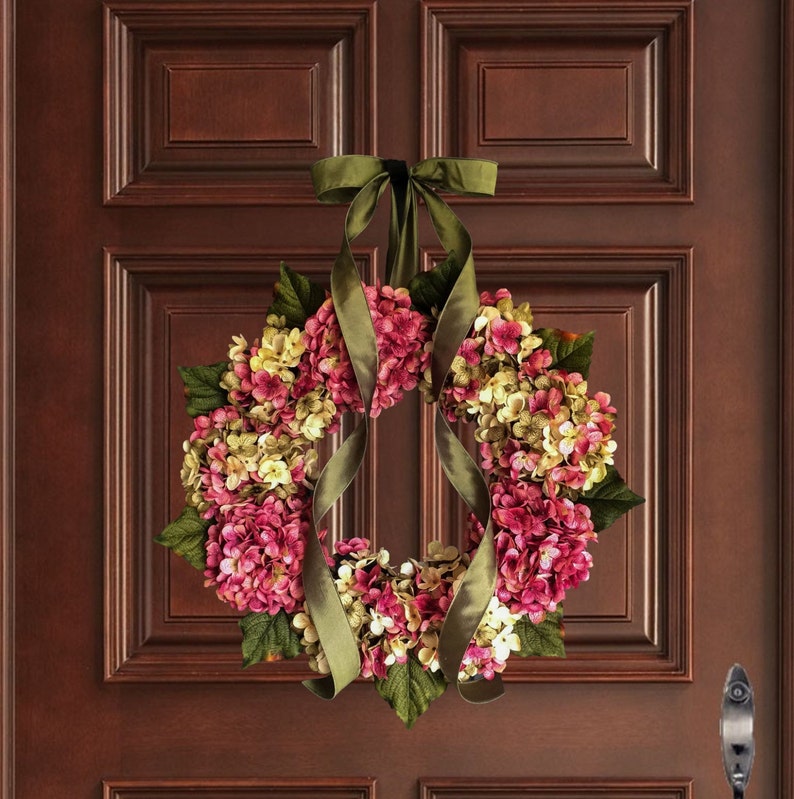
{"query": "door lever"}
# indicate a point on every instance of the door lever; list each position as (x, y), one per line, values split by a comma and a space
(736, 729)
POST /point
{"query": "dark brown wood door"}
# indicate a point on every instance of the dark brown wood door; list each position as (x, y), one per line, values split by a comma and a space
(161, 175)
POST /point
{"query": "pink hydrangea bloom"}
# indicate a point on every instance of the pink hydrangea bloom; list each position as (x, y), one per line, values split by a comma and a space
(482, 658)
(469, 350)
(217, 420)
(541, 546)
(242, 370)
(346, 546)
(486, 298)
(401, 334)
(433, 605)
(537, 361)
(255, 554)
(504, 337)
(269, 387)
(373, 662)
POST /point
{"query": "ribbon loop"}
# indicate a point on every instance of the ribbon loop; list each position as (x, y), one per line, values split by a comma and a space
(467, 177)
(339, 179)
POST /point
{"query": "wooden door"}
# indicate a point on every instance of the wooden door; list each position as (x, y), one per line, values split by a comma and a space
(162, 154)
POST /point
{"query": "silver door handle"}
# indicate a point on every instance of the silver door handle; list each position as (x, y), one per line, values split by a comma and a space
(736, 729)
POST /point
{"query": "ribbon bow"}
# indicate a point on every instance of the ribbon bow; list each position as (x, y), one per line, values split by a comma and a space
(360, 181)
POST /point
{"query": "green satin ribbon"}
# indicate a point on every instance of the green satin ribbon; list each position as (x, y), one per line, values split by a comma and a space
(352, 311)
(361, 180)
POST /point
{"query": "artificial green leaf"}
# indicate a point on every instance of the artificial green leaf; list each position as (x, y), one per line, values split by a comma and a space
(541, 640)
(409, 689)
(569, 351)
(203, 387)
(609, 499)
(296, 297)
(431, 289)
(187, 536)
(266, 636)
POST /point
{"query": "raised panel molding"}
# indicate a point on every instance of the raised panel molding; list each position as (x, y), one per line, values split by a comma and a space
(559, 86)
(210, 104)
(204, 107)
(578, 101)
(632, 620)
(555, 789)
(331, 788)
(164, 309)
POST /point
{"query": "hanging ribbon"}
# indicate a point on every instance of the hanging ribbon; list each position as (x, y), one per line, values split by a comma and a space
(361, 180)
(352, 311)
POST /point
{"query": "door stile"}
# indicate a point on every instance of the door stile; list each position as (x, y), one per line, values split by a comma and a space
(786, 662)
(6, 398)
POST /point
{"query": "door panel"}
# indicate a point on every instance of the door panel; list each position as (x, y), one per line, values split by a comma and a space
(631, 622)
(162, 174)
(181, 126)
(606, 93)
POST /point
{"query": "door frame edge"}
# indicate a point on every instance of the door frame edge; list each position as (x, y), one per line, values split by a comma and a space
(7, 250)
(786, 532)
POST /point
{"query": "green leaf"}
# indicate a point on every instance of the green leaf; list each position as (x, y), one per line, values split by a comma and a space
(431, 289)
(187, 536)
(203, 387)
(296, 297)
(266, 636)
(541, 640)
(569, 351)
(409, 689)
(609, 499)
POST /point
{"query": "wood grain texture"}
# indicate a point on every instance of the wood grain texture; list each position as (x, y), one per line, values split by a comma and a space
(576, 100)
(230, 103)
(632, 620)
(566, 102)
(243, 105)
(786, 540)
(7, 283)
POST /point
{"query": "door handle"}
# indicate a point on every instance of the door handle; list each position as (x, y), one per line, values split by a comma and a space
(736, 729)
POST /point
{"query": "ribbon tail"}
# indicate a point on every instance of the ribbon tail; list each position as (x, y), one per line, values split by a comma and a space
(330, 619)
(477, 587)
(322, 598)
(463, 619)
(352, 311)
(405, 257)
(403, 201)
(461, 306)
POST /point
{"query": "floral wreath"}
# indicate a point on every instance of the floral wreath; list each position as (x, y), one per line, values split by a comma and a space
(544, 487)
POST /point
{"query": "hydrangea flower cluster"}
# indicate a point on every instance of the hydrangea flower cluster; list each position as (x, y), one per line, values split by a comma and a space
(401, 333)
(395, 613)
(255, 554)
(533, 422)
(250, 466)
(541, 546)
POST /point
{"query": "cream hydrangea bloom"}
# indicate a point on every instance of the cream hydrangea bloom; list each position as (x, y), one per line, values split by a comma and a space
(514, 404)
(505, 642)
(274, 473)
(279, 352)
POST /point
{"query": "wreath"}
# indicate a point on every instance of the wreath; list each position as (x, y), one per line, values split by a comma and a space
(544, 487)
